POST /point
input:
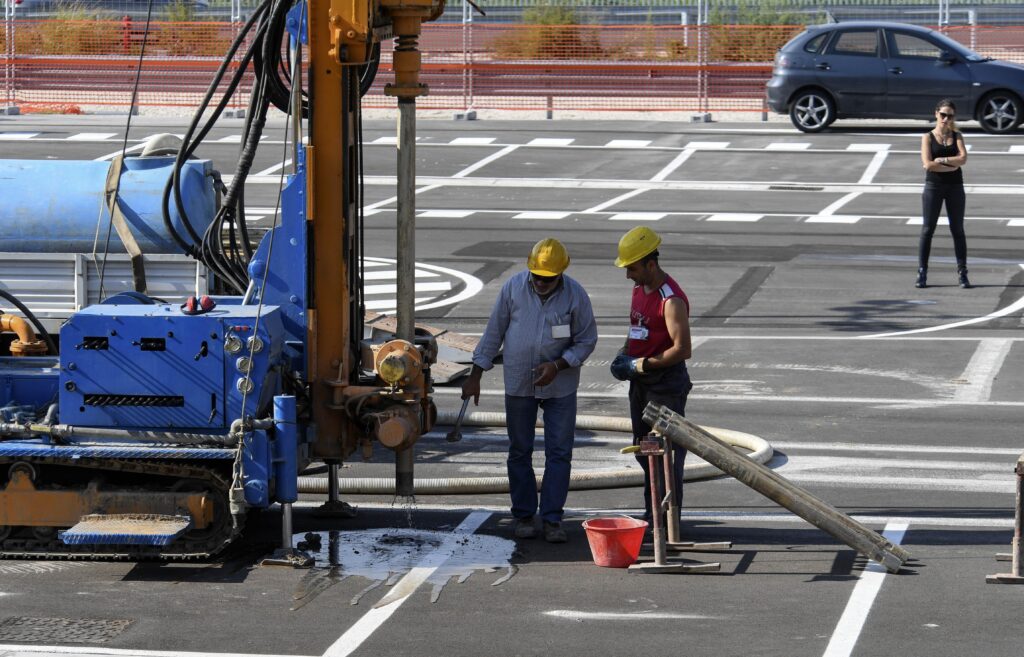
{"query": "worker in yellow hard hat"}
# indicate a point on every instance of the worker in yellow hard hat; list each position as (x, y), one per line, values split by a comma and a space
(544, 323)
(654, 356)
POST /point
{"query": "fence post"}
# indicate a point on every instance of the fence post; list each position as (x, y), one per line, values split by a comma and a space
(9, 107)
(237, 110)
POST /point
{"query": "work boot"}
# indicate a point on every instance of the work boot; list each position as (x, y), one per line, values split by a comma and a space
(553, 532)
(524, 528)
(962, 273)
(922, 277)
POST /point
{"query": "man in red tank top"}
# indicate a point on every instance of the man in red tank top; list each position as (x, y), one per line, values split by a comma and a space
(657, 346)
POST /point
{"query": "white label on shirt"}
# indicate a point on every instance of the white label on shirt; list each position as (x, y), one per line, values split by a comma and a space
(637, 332)
(560, 331)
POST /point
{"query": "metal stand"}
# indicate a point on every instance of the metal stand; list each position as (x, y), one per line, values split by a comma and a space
(334, 507)
(673, 544)
(287, 555)
(1016, 574)
(652, 447)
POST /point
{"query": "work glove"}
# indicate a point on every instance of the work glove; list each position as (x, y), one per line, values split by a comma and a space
(626, 368)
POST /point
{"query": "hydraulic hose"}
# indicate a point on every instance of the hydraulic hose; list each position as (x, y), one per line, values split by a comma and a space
(760, 451)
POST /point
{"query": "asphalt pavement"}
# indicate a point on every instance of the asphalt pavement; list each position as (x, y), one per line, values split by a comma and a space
(899, 406)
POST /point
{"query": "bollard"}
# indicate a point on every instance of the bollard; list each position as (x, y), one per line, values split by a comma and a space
(1015, 576)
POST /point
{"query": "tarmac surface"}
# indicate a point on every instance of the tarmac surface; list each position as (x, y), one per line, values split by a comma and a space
(899, 406)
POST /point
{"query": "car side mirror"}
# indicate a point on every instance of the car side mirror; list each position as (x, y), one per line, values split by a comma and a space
(947, 57)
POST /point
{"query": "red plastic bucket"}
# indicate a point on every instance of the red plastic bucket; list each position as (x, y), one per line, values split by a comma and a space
(615, 542)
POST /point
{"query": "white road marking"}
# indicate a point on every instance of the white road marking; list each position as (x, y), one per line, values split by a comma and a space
(827, 214)
(391, 274)
(1015, 222)
(788, 146)
(130, 149)
(383, 305)
(873, 166)
(92, 136)
(637, 216)
(1017, 148)
(445, 214)
(389, 201)
(484, 162)
(615, 201)
(915, 449)
(388, 139)
(362, 629)
(673, 165)
(231, 139)
(10, 136)
(918, 221)
(628, 616)
(707, 145)
(19, 649)
(735, 216)
(868, 147)
(848, 630)
(1008, 310)
(982, 369)
(541, 214)
(549, 141)
(388, 288)
(628, 143)
(833, 219)
(274, 169)
(472, 141)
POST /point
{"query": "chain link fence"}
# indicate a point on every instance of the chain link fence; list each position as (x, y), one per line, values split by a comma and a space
(85, 62)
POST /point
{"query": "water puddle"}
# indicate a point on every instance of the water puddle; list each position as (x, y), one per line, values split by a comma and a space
(384, 556)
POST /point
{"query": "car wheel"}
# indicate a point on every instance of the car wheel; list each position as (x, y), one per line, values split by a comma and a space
(1000, 112)
(812, 111)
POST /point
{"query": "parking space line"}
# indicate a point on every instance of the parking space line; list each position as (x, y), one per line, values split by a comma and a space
(826, 215)
(848, 630)
(873, 166)
(868, 147)
(354, 637)
(983, 368)
(637, 216)
(472, 141)
(735, 216)
(788, 146)
(614, 201)
(92, 136)
(550, 141)
(673, 165)
(484, 162)
(628, 143)
(542, 214)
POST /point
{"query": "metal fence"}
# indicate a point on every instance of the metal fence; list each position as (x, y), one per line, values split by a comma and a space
(79, 65)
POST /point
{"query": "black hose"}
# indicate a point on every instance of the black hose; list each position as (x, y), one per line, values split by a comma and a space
(32, 318)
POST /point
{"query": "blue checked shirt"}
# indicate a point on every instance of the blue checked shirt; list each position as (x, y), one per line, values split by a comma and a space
(527, 328)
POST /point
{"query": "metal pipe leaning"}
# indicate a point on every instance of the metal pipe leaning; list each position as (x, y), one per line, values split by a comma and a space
(775, 487)
(760, 452)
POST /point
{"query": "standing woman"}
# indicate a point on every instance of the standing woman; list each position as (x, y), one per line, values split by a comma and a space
(943, 154)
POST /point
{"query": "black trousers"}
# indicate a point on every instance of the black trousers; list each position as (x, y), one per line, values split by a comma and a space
(670, 391)
(931, 204)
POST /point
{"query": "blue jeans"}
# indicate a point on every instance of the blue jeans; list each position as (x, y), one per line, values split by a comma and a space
(559, 435)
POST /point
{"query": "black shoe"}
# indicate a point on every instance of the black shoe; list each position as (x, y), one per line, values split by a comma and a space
(964, 282)
(524, 528)
(553, 532)
(922, 277)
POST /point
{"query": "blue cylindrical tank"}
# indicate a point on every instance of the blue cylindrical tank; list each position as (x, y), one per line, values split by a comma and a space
(55, 206)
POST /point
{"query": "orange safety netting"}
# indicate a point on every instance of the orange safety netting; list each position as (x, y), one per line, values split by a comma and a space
(50, 64)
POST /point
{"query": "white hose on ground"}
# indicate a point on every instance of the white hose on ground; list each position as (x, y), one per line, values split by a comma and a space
(760, 452)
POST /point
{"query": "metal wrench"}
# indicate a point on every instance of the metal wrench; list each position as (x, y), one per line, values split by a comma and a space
(455, 435)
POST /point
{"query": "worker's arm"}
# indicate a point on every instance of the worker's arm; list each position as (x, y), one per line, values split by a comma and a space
(490, 344)
(584, 339)
(677, 321)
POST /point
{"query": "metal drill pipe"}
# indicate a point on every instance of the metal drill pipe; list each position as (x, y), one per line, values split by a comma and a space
(406, 258)
(1017, 519)
(822, 507)
(775, 487)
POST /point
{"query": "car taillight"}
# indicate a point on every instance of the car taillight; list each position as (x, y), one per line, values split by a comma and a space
(783, 61)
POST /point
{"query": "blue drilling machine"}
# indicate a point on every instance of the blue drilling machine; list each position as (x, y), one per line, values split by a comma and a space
(148, 429)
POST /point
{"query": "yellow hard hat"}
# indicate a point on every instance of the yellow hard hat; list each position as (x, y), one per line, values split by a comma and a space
(548, 258)
(637, 243)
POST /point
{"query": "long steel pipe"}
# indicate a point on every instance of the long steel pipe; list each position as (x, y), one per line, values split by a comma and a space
(406, 258)
(775, 487)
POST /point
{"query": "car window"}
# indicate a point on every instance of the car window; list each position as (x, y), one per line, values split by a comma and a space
(814, 45)
(856, 42)
(908, 45)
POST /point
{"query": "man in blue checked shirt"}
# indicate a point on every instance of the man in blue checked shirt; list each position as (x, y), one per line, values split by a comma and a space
(546, 324)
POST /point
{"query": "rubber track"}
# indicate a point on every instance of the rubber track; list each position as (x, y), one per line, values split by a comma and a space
(180, 550)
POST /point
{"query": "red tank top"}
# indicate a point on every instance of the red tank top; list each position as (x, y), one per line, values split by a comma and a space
(648, 312)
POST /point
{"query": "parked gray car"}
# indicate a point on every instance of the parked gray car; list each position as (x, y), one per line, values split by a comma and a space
(890, 70)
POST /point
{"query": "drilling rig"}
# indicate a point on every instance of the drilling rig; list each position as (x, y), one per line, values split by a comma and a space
(148, 429)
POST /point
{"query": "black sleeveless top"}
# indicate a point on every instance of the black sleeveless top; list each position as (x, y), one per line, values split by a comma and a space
(951, 177)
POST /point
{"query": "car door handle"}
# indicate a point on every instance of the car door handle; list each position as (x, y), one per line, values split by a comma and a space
(823, 67)
(896, 70)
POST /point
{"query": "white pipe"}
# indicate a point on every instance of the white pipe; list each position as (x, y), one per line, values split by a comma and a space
(760, 451)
